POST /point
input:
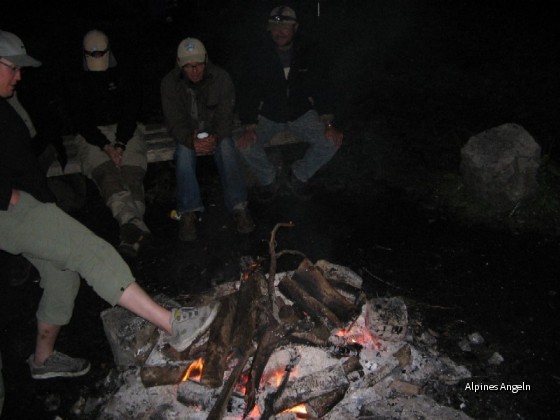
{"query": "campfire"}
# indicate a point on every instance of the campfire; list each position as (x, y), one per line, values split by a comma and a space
(307, 343)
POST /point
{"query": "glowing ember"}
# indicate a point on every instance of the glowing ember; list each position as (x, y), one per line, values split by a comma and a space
(299, 411)
(194, 371)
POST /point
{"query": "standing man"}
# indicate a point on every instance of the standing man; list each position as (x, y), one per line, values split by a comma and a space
(104, 105)
(197, 99)
(286, 86)
(61, 248)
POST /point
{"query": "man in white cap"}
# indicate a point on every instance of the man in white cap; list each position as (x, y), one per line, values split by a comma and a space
(104, 104)
(61, 248)
(286, 87)
(197, 100)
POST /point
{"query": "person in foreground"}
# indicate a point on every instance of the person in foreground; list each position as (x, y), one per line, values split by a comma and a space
(104, 102)
(61, 248)
(197, 99)
(286, 87)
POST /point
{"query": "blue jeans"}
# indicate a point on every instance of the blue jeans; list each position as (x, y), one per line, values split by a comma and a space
(308, 128)
(188, 189)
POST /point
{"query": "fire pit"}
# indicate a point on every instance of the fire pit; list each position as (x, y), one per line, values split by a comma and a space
(301, 344)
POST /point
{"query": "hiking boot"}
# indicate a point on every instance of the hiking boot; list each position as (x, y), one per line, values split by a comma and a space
(187, 227)
(58, 365)
(189, 323)
(128, 250)
(243, 220)
(268, 192)
(299, 189)
(131, 231)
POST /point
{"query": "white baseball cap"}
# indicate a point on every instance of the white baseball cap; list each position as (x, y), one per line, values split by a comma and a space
(12, 48)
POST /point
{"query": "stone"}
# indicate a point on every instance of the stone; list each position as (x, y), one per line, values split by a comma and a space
(500, 165)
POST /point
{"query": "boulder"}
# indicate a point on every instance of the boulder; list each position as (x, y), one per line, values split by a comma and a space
(500, 165)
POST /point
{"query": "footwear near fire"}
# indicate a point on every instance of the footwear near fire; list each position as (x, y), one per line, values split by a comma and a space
(187, 227)
(188, 323)
(243, 220)
(58, 365)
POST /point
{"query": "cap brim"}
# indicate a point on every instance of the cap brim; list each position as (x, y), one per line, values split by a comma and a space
(24, 61)
(280, 25)
(199, 58)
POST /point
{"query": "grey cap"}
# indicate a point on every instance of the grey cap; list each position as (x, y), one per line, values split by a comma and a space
(13, 49)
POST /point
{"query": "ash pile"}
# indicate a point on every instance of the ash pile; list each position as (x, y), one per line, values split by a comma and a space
(307, 343)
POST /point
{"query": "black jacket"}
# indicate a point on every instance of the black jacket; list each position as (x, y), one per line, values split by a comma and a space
(98, 98)
(19, 167)
(263, 88)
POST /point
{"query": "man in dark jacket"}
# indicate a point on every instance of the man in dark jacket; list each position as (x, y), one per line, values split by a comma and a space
(286, 87)
(104, 103)
(61, 248)
(197, 99)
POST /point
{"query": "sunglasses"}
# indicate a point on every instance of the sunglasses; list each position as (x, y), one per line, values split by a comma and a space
(282, 18)
(96, 54)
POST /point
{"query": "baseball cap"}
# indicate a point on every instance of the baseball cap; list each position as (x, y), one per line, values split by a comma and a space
(190, 50)
(13, 49)
(281, 16)
(96, 50)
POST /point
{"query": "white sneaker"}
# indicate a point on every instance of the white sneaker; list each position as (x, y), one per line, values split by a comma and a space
(189, 323)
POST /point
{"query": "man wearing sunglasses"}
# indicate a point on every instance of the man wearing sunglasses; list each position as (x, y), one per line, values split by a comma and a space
(104, 104)
(197, 100)
(286, 86)
(61, 248)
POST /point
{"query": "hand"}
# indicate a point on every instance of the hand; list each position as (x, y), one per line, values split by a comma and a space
(14, 199)
(205, 146)
(334, 135)
(114, 153)
(248, 137)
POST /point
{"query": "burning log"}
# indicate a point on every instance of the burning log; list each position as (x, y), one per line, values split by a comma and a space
(316, 385)
(320, 406)
(313, 281)
(308, 303)
(246, 313)
(162, 375)
(219, 343)
(194, 394)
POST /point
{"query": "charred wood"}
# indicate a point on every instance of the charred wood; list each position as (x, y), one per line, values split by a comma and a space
(219, 343)
(313, 281)
(162, 375)
(316, 385)
(308, 303)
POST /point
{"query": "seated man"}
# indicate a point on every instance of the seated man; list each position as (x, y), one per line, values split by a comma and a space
(104, 105)
(286, 87)
(61, 248)
(197, 99)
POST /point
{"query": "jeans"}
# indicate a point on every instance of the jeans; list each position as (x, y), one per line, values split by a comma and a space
(308, 128)
(188, 189)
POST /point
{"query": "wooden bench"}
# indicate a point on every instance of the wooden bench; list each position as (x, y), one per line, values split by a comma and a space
(161, 147)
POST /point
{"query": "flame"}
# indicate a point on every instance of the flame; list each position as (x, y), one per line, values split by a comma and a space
(194, 370)
(299, 410)
(255, 412)
(361, 336)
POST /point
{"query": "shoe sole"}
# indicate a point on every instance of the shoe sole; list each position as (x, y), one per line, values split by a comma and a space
(182, 346)
(49, 375)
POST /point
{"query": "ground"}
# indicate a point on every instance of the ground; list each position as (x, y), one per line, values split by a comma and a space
(417, 81)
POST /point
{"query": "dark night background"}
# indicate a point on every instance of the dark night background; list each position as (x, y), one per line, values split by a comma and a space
(415, 79)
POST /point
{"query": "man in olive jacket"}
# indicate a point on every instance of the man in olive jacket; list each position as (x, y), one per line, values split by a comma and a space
(197, 100)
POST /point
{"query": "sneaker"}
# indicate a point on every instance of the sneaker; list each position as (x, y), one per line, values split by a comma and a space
(299, 188)
(268, 192)
(58, 365)
(187, 227)
(244, 221)
(189, 323)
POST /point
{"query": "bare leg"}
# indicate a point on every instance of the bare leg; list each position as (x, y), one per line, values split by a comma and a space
(46, 337)
(137, 301)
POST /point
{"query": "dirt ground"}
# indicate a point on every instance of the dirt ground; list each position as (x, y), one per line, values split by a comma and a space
(416, 80)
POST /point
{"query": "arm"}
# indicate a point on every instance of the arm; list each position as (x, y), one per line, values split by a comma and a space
(176, 112)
